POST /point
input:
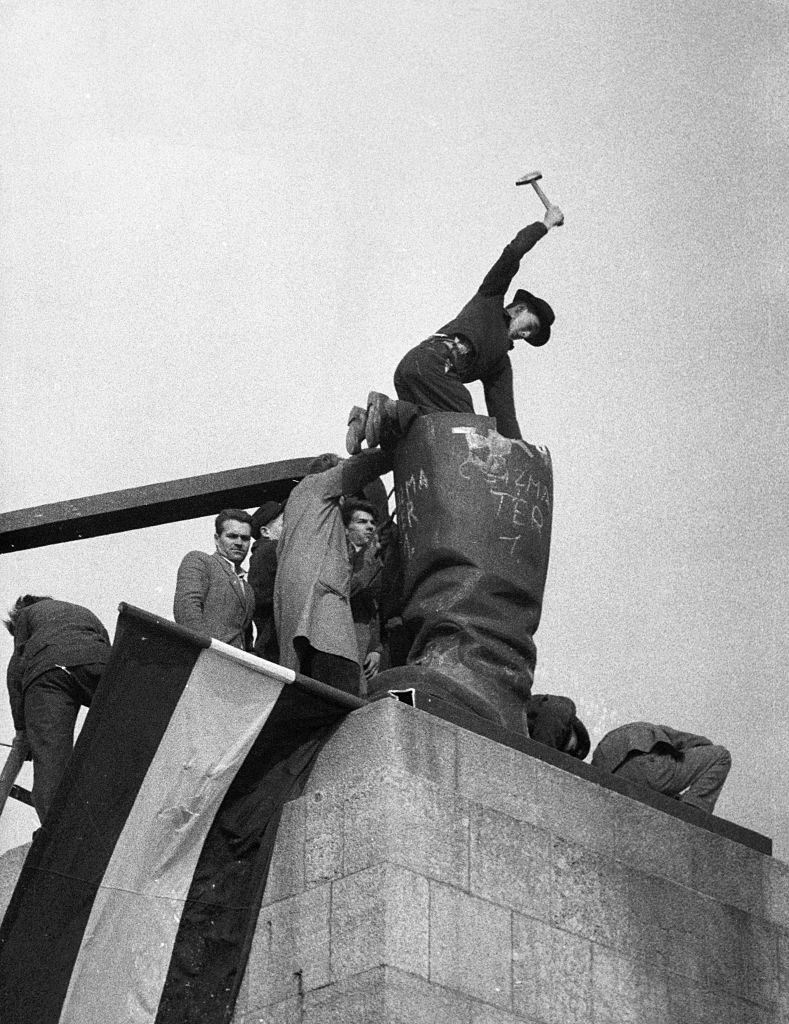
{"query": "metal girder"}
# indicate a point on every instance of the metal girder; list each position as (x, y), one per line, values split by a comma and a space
(152, 505)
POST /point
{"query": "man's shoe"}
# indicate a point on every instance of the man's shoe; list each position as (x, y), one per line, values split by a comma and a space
(377, 408)
(357, 422)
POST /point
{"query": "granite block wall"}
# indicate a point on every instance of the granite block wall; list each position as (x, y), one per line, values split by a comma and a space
(430, 874)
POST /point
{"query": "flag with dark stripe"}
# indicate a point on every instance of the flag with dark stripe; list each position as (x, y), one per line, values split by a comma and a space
(138, 899)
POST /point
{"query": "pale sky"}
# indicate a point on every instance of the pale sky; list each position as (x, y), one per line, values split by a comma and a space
(224, 222)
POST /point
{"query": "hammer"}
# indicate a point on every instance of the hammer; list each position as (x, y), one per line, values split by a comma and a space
(531, 179)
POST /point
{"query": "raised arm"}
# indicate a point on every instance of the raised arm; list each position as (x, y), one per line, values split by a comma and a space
(500, 400)
(499, 277)
(353, 474)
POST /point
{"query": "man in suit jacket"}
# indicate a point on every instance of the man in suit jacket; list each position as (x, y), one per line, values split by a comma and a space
(312, 607)
(212, 595)
(680, 764)
(60, 650)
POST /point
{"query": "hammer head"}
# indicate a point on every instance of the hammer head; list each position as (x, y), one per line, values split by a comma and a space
(527, 179)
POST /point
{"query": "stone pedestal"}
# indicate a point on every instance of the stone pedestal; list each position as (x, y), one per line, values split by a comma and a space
(431, 876)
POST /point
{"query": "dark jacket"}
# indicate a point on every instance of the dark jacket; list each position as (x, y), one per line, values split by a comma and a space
(261, 576)
(483, 323)
(52, 633)
(365, 593)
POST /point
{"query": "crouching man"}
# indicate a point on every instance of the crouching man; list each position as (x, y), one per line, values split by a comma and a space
(682, 765)
(60, 650)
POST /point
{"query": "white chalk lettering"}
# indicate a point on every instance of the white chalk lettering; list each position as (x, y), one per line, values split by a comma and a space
(512, 541)
(520, 512)
(501, 495)
(533, 484)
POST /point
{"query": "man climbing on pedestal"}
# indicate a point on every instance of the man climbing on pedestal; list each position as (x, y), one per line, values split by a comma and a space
(473, 504)
(60, 651)
(473, 346)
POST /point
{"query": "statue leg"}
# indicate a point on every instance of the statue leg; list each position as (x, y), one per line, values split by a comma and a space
(474, 517)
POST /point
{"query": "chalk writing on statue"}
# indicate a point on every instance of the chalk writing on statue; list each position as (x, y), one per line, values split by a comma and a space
(541, 492)
(407, 515)
(405, 506)
(486, 454)
(521, 495)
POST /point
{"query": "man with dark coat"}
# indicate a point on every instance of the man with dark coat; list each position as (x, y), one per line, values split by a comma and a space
(60, 650)
(212, 595)
(682, 765)
(266, 529)
(475, 345)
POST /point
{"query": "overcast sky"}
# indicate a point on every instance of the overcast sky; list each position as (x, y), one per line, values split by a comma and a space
(224, 222)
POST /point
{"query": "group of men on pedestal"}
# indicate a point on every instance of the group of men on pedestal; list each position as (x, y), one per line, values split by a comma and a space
(314, 576)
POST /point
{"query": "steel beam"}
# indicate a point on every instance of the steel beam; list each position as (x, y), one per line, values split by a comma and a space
(152, 505)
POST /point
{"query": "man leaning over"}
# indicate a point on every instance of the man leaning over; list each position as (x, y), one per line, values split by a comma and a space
(475, 345)
(682, 765)
(60, 651)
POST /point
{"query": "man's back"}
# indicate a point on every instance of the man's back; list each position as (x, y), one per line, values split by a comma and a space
(52, 632)
(311, 592)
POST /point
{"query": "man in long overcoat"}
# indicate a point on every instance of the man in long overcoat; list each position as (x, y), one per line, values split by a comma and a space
(312, 606)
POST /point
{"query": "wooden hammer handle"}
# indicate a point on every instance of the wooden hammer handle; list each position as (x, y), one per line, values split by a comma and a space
(545, 200)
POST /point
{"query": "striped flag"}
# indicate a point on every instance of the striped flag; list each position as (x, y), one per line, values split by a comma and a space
(139, 896)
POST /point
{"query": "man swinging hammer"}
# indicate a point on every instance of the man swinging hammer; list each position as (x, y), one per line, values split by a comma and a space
(473, 346)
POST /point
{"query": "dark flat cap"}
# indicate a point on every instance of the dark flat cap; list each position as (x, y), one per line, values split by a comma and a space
(268, 511)
(551, 719)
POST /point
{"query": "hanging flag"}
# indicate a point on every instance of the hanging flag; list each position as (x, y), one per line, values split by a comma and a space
(139, 896)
